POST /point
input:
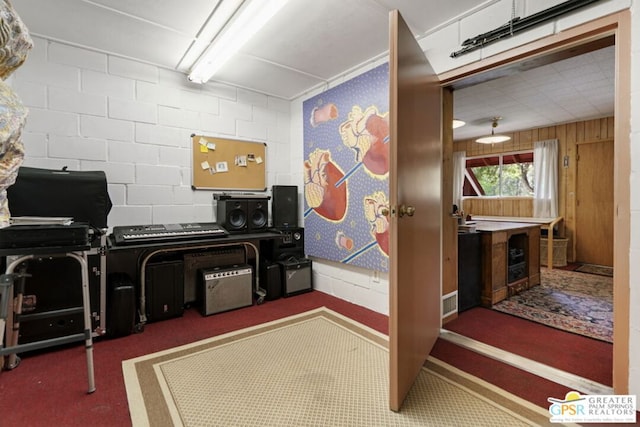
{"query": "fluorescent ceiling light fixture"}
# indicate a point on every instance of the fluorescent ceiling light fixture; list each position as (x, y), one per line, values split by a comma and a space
(216, 22)
(493, 138)
(252, 17)
(458, 123)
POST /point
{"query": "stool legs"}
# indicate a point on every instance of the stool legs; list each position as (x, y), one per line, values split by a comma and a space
(86, 304)
(12, 347)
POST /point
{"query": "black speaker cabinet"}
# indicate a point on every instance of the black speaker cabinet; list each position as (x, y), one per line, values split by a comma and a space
(271, 280)
(231, 214)
(121, 305)
(290, 245)
(226, 288)
(258, 214)
(164, 290)
(284, 207)
(296, 277)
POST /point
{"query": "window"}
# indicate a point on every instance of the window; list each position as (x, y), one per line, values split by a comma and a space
(500, 175)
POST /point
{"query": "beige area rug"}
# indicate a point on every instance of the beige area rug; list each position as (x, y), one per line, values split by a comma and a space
(314, 369)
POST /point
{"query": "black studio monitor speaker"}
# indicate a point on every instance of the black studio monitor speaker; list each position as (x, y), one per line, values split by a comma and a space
(231, 214)
(243, 214)
(284, 207)
(258, 214)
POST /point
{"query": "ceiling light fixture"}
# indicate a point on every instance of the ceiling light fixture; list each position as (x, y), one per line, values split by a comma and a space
(458, 123)
(252, 17)
(221, 15)
(493, 138)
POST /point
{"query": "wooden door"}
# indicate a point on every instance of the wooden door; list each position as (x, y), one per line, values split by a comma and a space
(414, 183)
(594, 203)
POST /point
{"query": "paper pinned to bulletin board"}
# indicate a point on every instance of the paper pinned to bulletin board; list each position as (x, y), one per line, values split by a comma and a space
(228, 164)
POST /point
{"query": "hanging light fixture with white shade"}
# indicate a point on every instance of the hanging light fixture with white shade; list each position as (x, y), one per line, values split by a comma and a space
(493, 138)
(457, 123)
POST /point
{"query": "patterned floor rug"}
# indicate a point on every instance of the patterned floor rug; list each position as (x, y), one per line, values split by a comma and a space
(596, 269)
(316, 368)
(568, 300)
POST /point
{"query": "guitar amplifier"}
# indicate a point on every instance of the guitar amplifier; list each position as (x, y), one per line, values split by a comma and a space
(226, 288)
(296, 276)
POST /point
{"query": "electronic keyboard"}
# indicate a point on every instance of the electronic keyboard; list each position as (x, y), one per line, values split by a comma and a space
(158, 233)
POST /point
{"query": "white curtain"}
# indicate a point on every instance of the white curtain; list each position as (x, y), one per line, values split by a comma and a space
(459, 163)
(545, 163)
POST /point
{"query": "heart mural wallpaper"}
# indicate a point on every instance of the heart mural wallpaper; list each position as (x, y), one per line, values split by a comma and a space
(346, 171)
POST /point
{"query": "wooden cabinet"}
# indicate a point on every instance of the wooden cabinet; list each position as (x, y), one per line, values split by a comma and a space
(498, 238)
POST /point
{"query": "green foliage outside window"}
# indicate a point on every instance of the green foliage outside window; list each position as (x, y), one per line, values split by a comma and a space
(505, 175)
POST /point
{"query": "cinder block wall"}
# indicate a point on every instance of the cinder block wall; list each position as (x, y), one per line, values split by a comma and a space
(93, 111)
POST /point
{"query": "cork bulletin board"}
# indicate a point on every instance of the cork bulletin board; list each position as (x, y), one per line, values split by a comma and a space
(228, 164)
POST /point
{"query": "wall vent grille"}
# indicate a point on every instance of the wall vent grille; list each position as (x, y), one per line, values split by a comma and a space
(449, 304)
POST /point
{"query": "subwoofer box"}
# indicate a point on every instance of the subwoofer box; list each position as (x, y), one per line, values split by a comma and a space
(226, 288)
(121, 305)
(164, 290)
(271, 280)
(296, 277)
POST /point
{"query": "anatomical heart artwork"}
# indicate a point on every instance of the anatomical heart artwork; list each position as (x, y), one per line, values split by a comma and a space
(346, 171)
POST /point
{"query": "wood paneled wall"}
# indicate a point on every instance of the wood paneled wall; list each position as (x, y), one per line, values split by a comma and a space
(505, 206)
(569, 136)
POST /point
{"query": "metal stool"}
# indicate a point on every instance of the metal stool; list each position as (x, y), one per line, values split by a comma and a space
(7, 290)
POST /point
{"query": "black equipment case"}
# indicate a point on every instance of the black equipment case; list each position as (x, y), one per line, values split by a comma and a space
(81, 195)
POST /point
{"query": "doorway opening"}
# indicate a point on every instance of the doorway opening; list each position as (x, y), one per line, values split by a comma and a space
(582, 42)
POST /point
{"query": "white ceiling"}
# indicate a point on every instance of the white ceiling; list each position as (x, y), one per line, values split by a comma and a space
(305, 45)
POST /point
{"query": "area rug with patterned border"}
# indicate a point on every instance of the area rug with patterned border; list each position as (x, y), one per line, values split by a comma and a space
(568, 300)
(316, 368)
(596, 269)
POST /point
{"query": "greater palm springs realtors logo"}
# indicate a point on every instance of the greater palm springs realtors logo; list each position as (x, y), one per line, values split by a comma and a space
(576, 408)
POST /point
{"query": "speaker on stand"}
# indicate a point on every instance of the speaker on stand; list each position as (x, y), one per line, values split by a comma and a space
(284, 206)
(231, 214)
(258, 214)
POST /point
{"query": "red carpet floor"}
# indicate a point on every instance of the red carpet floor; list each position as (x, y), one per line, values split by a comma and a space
(586, 357)
(49, 388)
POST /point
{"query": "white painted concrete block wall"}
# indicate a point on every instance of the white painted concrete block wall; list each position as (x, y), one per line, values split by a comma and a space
(92, 111)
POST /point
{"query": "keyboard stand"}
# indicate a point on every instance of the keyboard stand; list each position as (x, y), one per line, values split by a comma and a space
(11, 308)
(260, 292)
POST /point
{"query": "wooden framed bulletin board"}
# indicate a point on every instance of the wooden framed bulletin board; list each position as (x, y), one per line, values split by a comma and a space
(228, 164)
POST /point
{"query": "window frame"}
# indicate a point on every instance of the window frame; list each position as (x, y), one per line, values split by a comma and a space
(473, 182)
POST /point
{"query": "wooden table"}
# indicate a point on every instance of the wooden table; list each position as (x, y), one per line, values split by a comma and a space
(497, 238)
(548, 224)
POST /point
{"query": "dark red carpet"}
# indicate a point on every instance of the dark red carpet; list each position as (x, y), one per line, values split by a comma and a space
(50, 388)
(586, 357)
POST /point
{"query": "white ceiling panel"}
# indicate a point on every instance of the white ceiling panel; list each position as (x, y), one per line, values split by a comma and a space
(85, 24)
(313, 38)
(251, 73)
(312, 41)
(186, 16)
(423, 16)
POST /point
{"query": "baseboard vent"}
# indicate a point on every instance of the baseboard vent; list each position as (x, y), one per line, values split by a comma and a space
(449, 304)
